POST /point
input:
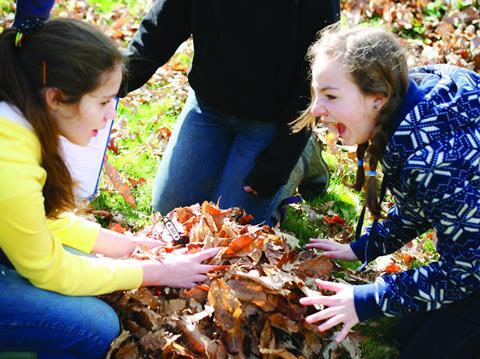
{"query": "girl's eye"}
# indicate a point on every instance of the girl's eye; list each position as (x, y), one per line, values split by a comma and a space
(105, 103)
(331, 97)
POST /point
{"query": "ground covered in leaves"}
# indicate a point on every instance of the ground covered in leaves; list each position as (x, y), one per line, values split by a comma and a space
(249, 305)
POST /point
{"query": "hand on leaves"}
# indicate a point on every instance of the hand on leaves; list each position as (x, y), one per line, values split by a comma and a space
(178, 270)
(147, 243)
(341, 308)
(333, 249)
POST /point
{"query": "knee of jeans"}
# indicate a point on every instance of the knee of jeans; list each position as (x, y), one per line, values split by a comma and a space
(105, 327)
(110, 324)
(157, 203)
(160, 206)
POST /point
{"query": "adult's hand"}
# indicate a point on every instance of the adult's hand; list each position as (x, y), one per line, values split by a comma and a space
(333, 249)
(249, 189)
(341, 308)
(178, 270)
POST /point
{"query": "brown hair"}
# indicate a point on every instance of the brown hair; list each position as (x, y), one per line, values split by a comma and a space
(66, 54)
(376, 63)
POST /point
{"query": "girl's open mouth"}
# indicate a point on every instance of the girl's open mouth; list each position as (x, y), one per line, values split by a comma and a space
(341, 129)
(94, 133)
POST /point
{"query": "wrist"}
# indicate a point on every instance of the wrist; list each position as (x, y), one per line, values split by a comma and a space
(358, 249)
(151, 271)
(124, 244)
(365, 302)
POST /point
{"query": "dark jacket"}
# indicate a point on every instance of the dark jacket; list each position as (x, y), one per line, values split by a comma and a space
(249, 62)
(432, 168)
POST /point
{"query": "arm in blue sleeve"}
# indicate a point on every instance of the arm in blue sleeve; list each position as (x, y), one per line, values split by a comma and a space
(27, 10)
(401, 227)
(448, 197)
(448, 192)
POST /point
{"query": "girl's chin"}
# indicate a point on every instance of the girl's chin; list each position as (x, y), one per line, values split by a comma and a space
(83, 142)
(346, 141)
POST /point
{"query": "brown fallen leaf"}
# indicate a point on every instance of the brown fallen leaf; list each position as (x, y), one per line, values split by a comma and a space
(119, 183)
(117, 342)
(318, 267)
(267, 340)
(128, 351)
(198, 341)
(136, 182)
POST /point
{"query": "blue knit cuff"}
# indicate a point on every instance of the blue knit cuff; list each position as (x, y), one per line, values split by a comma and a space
(365, 303)
(358, 247)
(28, 24)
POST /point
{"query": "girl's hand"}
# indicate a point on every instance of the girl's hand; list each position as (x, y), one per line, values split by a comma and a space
(178, 270)
(250, 190)
(333, 249)
(114, 245)
(341, 308)
(145, 242)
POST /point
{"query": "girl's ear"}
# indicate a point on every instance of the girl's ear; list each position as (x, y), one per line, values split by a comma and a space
(379, 101)
(53, 98)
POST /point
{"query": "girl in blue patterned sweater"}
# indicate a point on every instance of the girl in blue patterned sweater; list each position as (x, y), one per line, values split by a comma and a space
(423, 126)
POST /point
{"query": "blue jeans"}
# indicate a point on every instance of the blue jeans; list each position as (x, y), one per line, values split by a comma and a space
(51, 324)
(208, 157)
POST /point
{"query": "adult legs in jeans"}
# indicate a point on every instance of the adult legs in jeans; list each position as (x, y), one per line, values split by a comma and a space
(207, 158)
(210, 154)
(51, 324)
(448, 333)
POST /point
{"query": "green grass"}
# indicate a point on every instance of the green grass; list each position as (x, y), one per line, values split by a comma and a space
(379, 344)
(134, 7)
(436, 8)
(300, 226)
(345, 201)
(138, 141)
(6, 6)
(338, 199)
(352, 265)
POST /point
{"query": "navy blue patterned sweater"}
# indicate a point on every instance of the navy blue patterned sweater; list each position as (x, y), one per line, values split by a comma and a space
(432, 168)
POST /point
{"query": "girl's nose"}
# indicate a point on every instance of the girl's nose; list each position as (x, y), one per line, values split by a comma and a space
(112, 111)
(318, 109)
(111, 114)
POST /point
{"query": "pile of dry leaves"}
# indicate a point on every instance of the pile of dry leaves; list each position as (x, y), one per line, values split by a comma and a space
(248, 308)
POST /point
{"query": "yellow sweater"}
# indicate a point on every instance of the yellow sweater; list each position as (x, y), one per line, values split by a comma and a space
(32, 242)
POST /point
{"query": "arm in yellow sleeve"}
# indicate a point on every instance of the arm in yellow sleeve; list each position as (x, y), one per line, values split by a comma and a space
(34, 249)
(75, 231)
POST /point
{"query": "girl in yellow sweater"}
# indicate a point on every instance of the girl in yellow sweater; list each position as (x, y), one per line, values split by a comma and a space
(60, 78)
